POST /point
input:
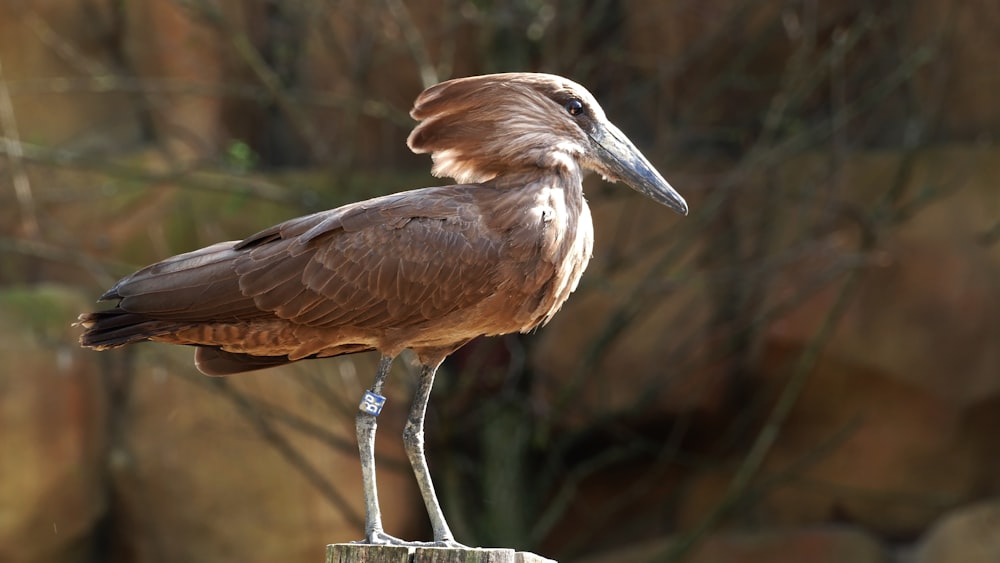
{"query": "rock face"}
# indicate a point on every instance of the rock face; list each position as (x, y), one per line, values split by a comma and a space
(816, 545)
(107, 457)
(673, 353)
(960, 86)
(970, 534)
(924, 310)
(860, 447)
(926, 305)
(53, 482)
(891, 428)
(259, 467)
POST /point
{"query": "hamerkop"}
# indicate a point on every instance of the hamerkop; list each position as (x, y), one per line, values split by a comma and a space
(427, 269)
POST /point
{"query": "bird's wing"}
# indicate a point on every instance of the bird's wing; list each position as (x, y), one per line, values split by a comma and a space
(392, 261)
(389, 262)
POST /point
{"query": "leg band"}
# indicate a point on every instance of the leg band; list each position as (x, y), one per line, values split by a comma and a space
(371, 403)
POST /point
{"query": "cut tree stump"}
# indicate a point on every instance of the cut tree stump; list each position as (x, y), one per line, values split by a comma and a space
(361, 553)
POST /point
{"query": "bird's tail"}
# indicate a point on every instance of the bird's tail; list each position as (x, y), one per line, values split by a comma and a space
(157, 300)
(113, 328)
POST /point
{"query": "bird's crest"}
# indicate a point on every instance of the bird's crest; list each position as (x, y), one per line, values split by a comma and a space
(480, 127)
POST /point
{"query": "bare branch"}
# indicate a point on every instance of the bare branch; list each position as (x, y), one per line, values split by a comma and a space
(12, 148)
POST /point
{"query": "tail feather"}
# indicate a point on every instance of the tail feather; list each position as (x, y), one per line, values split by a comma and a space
(176, 294)
(198, 285)
(113, 328)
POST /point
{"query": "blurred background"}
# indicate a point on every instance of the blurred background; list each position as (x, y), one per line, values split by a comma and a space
(806, 368)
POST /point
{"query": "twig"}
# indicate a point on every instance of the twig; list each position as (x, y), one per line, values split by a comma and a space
(268, 78)
(740, 484)
(57, 253)
(65, 50)
(414, 42)
(12, 148)
(291, 454)
(187, 176)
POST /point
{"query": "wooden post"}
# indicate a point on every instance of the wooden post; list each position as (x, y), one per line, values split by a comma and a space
(361, 553)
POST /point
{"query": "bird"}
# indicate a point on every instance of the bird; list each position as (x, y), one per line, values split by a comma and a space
(497, 252)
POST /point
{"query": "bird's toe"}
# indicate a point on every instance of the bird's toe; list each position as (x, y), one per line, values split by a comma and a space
(381, 538)
(448, 543)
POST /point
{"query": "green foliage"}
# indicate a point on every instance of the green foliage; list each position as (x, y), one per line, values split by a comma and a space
(46, 310)
(240, 158)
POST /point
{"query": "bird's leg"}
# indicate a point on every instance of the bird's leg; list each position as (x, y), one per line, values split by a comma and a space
(366, 424)
(413, 442)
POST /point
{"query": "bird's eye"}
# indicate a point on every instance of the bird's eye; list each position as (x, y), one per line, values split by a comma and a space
(575, 107)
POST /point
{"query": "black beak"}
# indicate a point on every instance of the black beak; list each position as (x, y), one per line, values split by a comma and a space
(624, 162)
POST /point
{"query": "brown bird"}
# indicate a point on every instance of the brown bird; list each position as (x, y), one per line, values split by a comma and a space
(427, 269)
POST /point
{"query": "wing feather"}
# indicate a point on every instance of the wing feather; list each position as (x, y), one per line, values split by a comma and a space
(384, 263)
(192, 286)
(396, 261)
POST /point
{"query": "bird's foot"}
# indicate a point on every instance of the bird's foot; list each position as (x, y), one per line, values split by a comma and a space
(378, 537)
(449, 543)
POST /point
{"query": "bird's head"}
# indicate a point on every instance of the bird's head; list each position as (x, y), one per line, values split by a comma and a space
(481, 127)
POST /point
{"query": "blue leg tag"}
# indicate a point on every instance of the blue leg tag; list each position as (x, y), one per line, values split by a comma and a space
(371, 403)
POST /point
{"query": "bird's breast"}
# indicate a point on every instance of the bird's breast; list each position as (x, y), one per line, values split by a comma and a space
(550, 244)
(518, 252)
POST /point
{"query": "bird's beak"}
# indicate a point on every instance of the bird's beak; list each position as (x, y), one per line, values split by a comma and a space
(627, 164)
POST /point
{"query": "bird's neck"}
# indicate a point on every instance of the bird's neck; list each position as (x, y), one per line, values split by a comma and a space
(553, 196)
(553, 216)
(566, 178)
